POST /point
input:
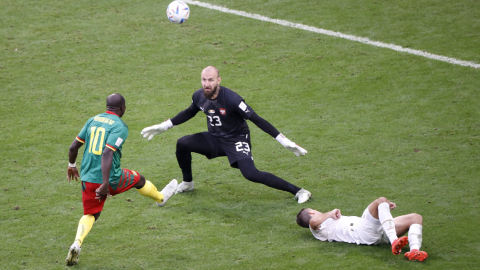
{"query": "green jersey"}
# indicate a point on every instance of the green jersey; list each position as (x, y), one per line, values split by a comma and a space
(103, 130)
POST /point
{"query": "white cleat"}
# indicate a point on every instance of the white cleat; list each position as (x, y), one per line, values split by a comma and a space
(73, 254)
(303, 195)
(168, 192)
(184, 187)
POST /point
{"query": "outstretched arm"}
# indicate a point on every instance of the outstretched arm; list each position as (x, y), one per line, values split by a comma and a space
(264, 125)
(72, 171)
(182, 117)
(270, 129)
(185, 115)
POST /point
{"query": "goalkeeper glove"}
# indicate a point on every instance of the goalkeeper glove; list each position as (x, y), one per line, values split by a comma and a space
(156, 129)
(295, 148)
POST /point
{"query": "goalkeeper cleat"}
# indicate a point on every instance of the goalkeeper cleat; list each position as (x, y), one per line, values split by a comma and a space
(303, 195)
(398, 244)
(73, 254)
(184, 187)
(168, 192)
(416, 255)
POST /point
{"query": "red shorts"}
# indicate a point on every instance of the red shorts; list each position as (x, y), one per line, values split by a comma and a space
(91, 206)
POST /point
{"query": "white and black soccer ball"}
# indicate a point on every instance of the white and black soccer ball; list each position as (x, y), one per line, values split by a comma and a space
(178, 12)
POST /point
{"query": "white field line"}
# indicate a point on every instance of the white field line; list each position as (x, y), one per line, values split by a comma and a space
(336, 34)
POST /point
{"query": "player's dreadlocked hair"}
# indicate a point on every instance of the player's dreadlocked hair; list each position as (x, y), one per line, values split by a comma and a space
(303, 218)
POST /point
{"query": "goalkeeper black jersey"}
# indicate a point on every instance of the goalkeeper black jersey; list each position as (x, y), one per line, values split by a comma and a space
(226, 114)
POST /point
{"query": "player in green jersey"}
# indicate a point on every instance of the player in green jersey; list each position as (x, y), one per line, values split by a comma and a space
(104, 136)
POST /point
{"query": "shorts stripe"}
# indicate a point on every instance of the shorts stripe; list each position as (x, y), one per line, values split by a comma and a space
(130, 179)
(126, 180)
(120, 183)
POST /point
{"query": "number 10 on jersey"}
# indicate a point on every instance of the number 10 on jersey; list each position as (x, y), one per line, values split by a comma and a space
(94, 140)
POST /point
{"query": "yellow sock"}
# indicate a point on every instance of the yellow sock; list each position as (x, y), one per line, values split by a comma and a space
(84, 226)
(149, 190)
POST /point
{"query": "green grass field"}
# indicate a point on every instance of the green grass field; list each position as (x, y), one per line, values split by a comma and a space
(376, 122)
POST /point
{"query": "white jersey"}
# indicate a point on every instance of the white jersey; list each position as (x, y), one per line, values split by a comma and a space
(340, 230)
(351, 229)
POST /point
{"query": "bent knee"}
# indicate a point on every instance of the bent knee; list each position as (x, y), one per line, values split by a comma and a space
(141, 183)
(182, 142)
(382, 200)
(417, 218)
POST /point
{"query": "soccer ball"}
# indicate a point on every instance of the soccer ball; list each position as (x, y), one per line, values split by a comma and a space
(178, 12)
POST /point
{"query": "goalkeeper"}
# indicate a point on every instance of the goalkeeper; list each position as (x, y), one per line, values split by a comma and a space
(228, 135)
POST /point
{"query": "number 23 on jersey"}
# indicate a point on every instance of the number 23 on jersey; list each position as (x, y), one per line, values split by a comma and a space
(214, 120)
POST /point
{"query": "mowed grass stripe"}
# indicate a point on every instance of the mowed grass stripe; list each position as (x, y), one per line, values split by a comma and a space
(337, 34)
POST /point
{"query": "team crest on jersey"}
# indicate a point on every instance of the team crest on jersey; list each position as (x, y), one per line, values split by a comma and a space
(223, 111)
(211, 111)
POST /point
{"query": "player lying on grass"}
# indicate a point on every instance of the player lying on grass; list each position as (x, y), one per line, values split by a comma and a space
(228, 135)
(104, 136)
(376, 226)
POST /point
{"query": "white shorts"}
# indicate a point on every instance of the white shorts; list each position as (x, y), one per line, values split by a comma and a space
(369, 230)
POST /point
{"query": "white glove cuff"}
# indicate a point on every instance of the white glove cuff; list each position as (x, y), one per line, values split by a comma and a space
(168, 124)
(281, 139)
(73, 165)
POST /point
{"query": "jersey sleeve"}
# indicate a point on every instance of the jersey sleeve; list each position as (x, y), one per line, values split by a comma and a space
(239, 104)
(322, 232)
(245, 110)
(117, 137)
(264, 125)
(83, 133)
(185, 115)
